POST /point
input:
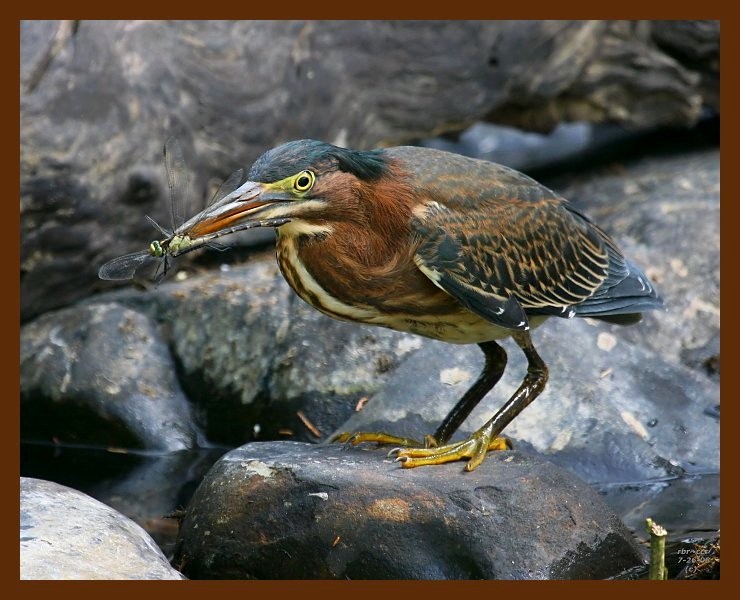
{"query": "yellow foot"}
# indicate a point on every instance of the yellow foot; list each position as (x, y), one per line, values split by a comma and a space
(473, 448)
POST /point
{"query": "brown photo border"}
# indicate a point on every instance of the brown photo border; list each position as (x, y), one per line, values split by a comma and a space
(375, 10)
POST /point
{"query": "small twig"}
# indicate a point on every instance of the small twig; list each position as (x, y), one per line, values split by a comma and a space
(310, 426)
(65, 30)
(657, 550)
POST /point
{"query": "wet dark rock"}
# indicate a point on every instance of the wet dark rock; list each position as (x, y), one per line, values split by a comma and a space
(697, 559)
(687, 506)
(284, 510)
(101, 374)
(65, 534)
(85, 186)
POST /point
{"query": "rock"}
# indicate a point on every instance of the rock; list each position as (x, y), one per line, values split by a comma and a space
(149, 488)
(572, 148)
(665, 214)
(101, 375)
(251, 354)
(695, 43)
(85, 186)
(622, 414)
(65, 534)
(521, 150)
(254, 361)
(284, 510)
(697, 559)
(686, 506)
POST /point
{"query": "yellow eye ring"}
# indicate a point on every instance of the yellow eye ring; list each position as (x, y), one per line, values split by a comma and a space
(304, 181)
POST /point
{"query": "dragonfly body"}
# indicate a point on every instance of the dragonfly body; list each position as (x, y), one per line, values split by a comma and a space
(177, 244)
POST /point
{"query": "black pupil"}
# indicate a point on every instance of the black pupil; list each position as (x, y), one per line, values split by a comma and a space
(303, 181)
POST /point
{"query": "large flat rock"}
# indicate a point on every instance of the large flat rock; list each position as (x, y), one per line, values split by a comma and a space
(286, 510)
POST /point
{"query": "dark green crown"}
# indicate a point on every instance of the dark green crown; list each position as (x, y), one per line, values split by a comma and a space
(290, 158)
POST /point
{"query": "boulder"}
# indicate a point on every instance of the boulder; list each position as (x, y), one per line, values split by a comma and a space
(287, 510)
(65, 534)
(608, 413)
(101, 374)
(259, 363)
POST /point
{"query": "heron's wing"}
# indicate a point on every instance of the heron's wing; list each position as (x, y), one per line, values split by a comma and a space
(500, 257)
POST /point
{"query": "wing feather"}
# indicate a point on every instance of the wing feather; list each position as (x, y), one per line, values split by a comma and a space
(506, 246)
(507, 259)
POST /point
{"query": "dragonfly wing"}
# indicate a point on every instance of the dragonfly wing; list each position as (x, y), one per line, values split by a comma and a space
(161, 229)
(177, 180)
(229, 185)
(125, 266)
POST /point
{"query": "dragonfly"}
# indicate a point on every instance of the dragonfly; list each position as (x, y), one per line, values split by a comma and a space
(177, 241)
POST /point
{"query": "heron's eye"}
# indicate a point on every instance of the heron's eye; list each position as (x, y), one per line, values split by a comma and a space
(304, 181)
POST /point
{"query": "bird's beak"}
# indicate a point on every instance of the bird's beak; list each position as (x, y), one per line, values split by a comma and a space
(251, 201)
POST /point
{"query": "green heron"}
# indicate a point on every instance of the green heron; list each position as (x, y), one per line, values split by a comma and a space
(437, 244)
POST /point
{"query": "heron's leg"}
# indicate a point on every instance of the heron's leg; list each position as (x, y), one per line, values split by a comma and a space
(475, 447)
(492, 372)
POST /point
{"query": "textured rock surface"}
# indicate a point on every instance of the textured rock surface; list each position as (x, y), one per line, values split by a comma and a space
(101, 374)
(283, 510)
(251, 353)
(688, 507)
(98, 99)
(608, 415)
(253, 359)
(149, 488)
(65, 534)
(666, 213)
